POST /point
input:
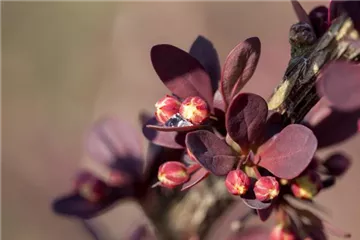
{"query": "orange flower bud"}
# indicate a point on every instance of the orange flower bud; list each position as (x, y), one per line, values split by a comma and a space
(194, 110)
(266, 188)
(91, 188)
(237, 182)
(306, 186)
(166, 108)
(281, 233)
(172, 174)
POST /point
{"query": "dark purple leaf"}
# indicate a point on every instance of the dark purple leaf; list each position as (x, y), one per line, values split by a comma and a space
(239, 67)
(174, 140)
(300, 12)
(252, 233)
(336, 127)
(111, 139)
(264, 214)
(351, 8)
(340, 84)
(183, 75)
(319, 20)
(203, 50)
(245, 119)
(288, 153)
(76, 206)
(195, 178)
(211, 152)
(337, 164)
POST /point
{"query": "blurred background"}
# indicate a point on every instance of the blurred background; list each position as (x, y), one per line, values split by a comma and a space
(64, 65)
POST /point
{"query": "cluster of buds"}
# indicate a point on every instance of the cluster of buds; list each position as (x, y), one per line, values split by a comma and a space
(306, 186)
(172, 174)
(193, 109)
(90, 187)
(265, 189)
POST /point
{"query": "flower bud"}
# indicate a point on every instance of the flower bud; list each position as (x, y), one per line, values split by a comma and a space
(266, 188)
(166, 108)
(306, 186)
(172, 174)
(194, 110)
(237, 182)
(279, 232)
(91, 188)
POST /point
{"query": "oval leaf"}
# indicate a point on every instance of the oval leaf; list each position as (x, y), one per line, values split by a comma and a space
(211, 152)
(181, 73)
(239, 67)
(340, 84)
(337, 164)
(264, 214)
(195, 178)
(111, 139)
(250, 200)
(203, 50)
(319, 20)
(245, 119)
(288, 153)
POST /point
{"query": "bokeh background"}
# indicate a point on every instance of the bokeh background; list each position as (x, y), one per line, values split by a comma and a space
(66, 64)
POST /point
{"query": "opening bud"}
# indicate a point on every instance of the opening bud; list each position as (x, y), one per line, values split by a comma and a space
(279, 232)
(90, 187)
(194, 110)
(266, 188)
(166, 108)
(237, 182)
(306, 186)
(172, 174)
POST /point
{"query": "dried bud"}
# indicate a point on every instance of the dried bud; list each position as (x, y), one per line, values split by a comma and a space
(172, 174)
(166, 108)
(194, 110)
(281, 233)
(307, 186)
(266, 188)
(90, 187)
(237, 182)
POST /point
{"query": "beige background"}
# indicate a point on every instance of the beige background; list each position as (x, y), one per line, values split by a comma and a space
(66, 64)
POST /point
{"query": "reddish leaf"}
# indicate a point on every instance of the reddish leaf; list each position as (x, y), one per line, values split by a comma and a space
(340, 84)
(251, 201)
(337, 164)
(245, 119)
(183, 75)
(174, 140)
(319, 20)
(300, 12)
(195, 178)
(288, 153)
(111, 139)
(174, 129)
(203, 50)
(239, 67)
(211, 152)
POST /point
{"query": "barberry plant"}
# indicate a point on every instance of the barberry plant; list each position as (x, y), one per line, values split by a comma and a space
(207, 129)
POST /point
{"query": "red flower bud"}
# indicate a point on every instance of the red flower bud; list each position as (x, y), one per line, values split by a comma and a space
(266, 188)
(237, 182)
(194, 110)
(90, 187)
(172, 174)
(306, 186)
(166, 108)
(281, 233)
